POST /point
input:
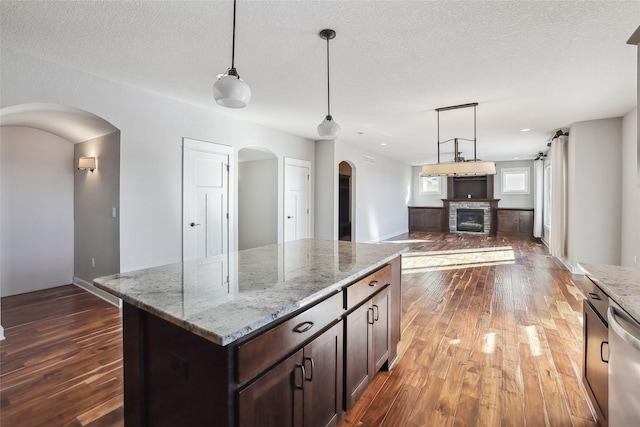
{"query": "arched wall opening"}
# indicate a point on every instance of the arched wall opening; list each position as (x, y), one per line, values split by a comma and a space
(257, 197)
(346, 197)
(59, 225)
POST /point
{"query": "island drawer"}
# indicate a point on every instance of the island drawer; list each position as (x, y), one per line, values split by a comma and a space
(598, 299)
(362, 289)
(261, 352)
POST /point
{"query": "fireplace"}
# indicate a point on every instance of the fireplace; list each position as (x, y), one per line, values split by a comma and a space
(470, 220)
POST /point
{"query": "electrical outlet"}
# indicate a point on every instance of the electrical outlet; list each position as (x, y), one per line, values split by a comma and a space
(635, 259)
(113, 212)
(93, 262)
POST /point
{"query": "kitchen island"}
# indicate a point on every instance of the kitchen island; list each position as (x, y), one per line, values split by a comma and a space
(281, 335)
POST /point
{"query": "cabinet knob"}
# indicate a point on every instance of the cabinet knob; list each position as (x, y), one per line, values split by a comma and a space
(374, 283)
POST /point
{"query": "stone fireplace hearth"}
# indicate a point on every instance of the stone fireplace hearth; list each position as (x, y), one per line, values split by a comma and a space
(486, 206)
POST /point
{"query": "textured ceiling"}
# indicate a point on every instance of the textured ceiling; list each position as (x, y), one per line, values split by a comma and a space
(529, 64)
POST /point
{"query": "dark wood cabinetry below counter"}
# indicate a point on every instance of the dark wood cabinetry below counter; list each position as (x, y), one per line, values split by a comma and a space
(423, 218)
(290, 373)
(515, 222)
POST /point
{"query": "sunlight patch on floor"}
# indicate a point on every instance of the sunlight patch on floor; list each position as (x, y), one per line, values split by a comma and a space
(420, 262)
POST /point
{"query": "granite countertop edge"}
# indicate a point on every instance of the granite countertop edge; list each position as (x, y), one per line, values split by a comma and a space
(229, 338)
(621, 284)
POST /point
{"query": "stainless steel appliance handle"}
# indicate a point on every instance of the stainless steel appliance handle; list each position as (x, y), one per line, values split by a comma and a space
(620, 330)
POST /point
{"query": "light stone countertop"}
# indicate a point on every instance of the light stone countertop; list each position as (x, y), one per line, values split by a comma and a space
(621, 284)
(264, 285)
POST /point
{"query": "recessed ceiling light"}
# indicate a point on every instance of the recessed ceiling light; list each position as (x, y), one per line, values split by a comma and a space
(525, 130)
(383, 143)
(516, 158)
(361, 133)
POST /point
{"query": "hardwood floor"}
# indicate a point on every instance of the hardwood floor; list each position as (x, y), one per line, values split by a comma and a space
(61, 361)
(492, 335)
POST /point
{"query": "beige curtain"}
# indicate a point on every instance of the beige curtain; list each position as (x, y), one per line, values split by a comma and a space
(558, 232)
(538, 175)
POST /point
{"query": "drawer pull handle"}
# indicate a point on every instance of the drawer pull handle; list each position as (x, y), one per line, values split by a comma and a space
(601, 346)
(594, 296)
(303, 327)
(302, 376)
(376, 313)
(374, 283)
(310, 377)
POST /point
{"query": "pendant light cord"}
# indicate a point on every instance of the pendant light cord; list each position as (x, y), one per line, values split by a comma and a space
(233, 39)
(328, 90)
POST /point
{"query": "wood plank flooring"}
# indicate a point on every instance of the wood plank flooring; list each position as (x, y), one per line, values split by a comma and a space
(61, 361)
(492, 336)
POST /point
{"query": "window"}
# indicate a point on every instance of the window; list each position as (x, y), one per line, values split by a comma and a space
(429, 185)
(515, 180)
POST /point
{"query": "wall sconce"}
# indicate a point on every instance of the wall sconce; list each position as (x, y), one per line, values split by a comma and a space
(87, 163)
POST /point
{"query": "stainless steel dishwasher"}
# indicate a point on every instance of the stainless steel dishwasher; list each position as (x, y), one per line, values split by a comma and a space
(624, 368)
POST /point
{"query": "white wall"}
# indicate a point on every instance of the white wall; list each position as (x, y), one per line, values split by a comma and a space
(513, 200)
(630, 192)
(594, 196)
(257, 203)
(431, 200)
(152, 127)
(326, 193)
(37, 210)
(382, 193)
(97, 231)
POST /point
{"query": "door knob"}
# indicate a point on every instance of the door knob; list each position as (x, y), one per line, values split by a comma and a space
(193, 224)
(289, 217)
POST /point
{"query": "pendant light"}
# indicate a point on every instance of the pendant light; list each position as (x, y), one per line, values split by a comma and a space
(230, 90)
(459, 167)
(328, 129)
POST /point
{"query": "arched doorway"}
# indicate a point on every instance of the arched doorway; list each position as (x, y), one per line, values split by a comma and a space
(257, 197)
(345, 201)
(45, 141)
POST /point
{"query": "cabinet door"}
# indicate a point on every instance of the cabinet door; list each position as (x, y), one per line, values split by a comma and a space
(275, 399)
(525, 224)
(596, 352)
(381, 334)
(323, 379)
(358, 367)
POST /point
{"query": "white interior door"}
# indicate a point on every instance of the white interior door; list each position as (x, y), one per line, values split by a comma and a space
(205, 200)
(297, 220)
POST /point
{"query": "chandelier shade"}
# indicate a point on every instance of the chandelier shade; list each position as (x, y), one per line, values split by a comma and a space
(230, 90)
(459, 167)
(470, 168)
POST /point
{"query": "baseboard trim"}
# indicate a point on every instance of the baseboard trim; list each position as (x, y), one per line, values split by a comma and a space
(97, 292)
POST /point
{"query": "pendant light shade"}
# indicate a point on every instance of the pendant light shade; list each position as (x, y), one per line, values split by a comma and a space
(230, 90)
(328, 129)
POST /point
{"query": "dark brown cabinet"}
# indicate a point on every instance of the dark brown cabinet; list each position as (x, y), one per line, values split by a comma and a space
(515, 222)
(367, 344)
(303, 390)
(291, 373)
(422, 218)
(595, 372)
